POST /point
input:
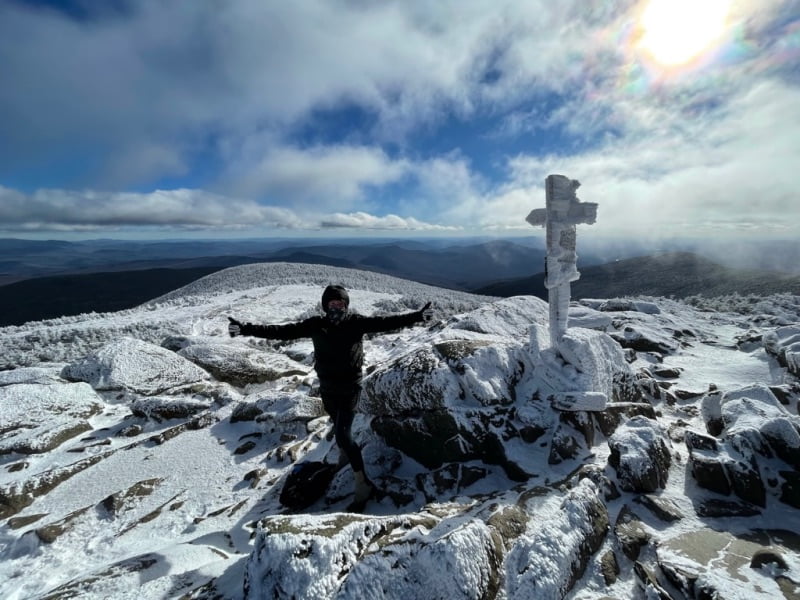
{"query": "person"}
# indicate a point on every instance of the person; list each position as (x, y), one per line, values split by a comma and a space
(338, 359)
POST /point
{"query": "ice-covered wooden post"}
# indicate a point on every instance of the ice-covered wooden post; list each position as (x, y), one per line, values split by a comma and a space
(562, 212)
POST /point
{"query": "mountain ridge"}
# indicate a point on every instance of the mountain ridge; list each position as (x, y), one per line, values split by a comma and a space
(671, 274)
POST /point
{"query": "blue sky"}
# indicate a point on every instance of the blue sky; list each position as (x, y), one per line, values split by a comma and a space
(170, 118)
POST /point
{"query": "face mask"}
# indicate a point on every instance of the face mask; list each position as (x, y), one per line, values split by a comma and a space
(335, 315)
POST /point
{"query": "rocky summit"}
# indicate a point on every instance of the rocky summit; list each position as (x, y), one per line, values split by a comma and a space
(146, 454)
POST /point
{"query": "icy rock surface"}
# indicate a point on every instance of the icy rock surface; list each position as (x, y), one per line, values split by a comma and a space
(784, 343)
(239, 364)
(585, 360)
(755, 434)
(640, 454)
(38, 417)
(134, 365)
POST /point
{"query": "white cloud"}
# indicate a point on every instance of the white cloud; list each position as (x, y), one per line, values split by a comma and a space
(52, 209)
(729, 171)
(181, 209)
(361, 220)
(323, 176)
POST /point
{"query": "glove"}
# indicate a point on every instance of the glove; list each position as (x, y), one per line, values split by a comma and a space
(426, 312)
(234, 327)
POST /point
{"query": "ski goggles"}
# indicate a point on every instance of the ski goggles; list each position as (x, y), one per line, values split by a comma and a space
(337, 305)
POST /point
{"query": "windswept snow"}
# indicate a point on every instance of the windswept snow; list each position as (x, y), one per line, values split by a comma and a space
(143, 452)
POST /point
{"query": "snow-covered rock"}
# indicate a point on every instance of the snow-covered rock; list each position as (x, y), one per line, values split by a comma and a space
(145, 509)
(39, 417)
(640, 455)
(134, 365)
(586, 364)
(784, 344)
(240, 364)
(397, 557)
(753, 429)
(538, 568)
(274, 406)
(161, 408)
(41, 375)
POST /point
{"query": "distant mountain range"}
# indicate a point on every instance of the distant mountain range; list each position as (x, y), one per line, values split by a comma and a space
(673, 274)
(48, 279)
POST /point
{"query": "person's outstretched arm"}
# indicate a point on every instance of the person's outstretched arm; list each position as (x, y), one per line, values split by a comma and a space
(289, 331)
(391, 322)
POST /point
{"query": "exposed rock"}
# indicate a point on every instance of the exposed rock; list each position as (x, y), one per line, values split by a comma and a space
(572, 439)
(663, 508)
(790, 489)
(439, 409)
(456, 350)
(640, 455)
(134, 365)
(642, 338)
(597, 475)
(630, 533)
(698, 441)
(119, 502)
(768, 556)
(711, 410)
(453, 478)
(40, 417)
(709, 473)
(618, 412)
(609, 567)
(715, 508)
(52, 531)
(648, 580)
(161, 408)
(239, 364)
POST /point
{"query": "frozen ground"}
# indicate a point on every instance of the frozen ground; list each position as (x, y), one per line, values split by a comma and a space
(139, 486)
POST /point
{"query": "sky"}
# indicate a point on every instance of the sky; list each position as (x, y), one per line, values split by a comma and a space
(200, 118)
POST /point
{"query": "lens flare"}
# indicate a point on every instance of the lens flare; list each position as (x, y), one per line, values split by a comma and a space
(676, 32)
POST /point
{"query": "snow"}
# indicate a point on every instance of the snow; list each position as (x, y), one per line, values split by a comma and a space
(131, 364)
(193, 505)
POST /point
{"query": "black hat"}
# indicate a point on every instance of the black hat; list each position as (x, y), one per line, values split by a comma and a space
(334, 292)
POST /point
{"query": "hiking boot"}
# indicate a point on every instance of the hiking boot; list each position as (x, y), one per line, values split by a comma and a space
(364, 490)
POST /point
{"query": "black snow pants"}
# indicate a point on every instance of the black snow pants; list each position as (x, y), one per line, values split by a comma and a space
(340, 400)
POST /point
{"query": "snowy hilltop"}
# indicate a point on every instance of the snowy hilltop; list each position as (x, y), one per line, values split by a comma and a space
(144, 453)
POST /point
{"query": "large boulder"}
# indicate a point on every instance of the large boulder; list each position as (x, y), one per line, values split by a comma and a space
(784, 344)
(136, 366)
(640, 454)
(451, 401)
(754, 428)
(586, 361)
(538, 566)
(275, 406)
(39, 417)
(240, 364)
(425, 555)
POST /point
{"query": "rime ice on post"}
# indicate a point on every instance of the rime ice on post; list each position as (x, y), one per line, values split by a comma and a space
(570, 369)
(562, 213)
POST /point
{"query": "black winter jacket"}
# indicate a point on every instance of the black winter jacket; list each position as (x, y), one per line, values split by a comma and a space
(338, 349)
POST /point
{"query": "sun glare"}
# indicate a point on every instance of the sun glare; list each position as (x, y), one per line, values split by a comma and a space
(674, 32)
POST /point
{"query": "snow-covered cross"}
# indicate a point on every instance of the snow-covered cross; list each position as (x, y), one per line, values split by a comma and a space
(562, 212)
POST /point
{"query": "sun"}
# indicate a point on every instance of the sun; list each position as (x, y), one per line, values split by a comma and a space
(675, 32)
